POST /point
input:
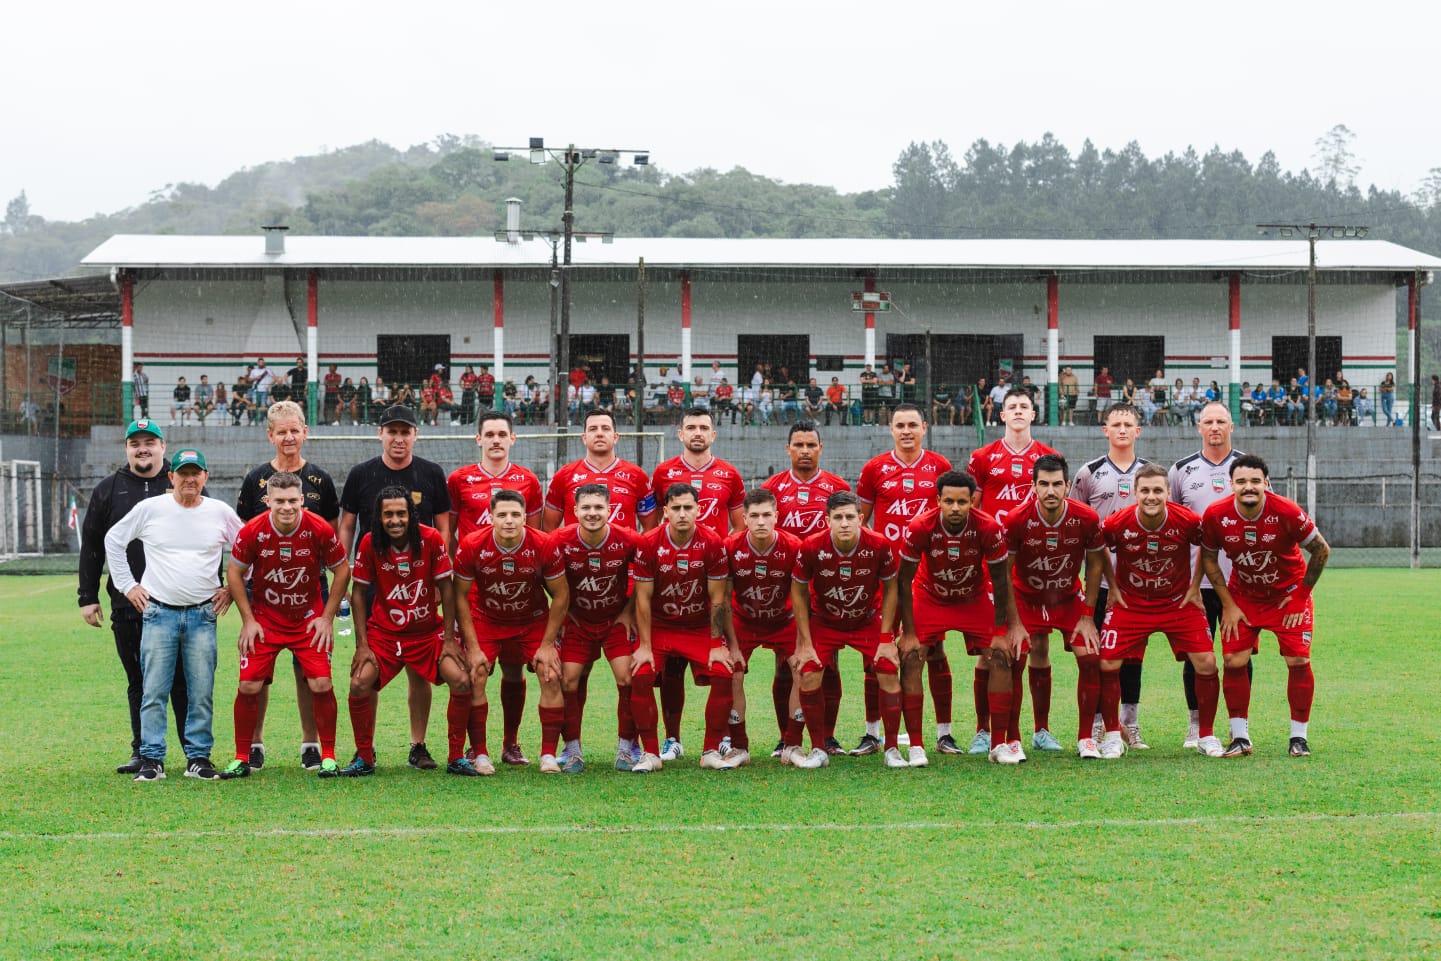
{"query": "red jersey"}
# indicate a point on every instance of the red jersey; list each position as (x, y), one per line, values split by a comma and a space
(845, 589)
(723, 392)
(898, 491)
(952, 567)
(1265, 552)
(1004, 475)
(599, 577)
(681, 575)
(427, 394)
(761, 581)
(1153, 565)
(1048, 559)
(508, 586)
(407, 600)
(801, 505)
(630, 496)
(675, 394)
(472, 487)
(485, 384)
(286, 568)
(718, 489)
(467, 380)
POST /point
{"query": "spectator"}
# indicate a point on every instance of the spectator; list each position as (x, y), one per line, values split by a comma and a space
(765, 403)
(1345, 403)
(748, 405)
(885, 393)
(1104, 381)
(998, 398)
(789, 396)
(467, 393)
(700, 393)
(403, 396)
(484, 390)
(428, 402)
(906, 385)
(605, 394)
(331, 410)
(445, 404)
(299, 378)
(723, 400)
(837, 402)
(943, 407)
(261, 379)
(180, 400)
(364, 400)
(983, 395)
(870, 392)
(1387, 390)
(1068, 395)
(141, 385)
(965, 406)
(222, 400)
(239, 404)
(348, 401)
(30, 414)
(758, 379)
(1181, 404)
(716, 376)
(379, 395)
(1213, 393)
(813, 400)
(204, 398)
(674, 401)
(510, 395)
(1364, 408)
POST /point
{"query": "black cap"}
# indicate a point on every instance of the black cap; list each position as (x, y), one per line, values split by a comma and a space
(398, 414)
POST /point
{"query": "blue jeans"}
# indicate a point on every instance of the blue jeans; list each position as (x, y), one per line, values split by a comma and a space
(1388, 404)
(186, 635)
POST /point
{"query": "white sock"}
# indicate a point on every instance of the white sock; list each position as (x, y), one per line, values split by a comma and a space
(942, 730)
(873, 728)
(572, 748)
(1298, 728)
(306, 744)
(624, 744)
(257, 744)
(1240, 727)
(1129, 713)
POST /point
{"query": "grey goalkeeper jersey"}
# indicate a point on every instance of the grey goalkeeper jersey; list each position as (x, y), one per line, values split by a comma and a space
(1198, 483)
(1106, 487)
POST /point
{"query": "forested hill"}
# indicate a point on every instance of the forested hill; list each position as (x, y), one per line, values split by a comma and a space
(453, 187)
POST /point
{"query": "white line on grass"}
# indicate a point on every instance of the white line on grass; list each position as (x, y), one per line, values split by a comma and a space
(443, 830)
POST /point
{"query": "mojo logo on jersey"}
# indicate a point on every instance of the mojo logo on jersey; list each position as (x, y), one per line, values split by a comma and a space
(1250, 536)
(285, 552)
(1218, 484)
(507, 565)
(803, 495)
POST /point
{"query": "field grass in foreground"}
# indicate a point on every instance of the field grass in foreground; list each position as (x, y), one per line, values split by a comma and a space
(1164, 854)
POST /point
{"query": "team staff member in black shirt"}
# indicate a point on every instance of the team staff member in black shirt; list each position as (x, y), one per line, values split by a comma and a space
(430, 503)
(285, 427)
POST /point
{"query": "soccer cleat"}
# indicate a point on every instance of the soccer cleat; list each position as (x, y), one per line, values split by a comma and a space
(817, 758)
(573, 764)
(310, 758)
(737, 757)
(482, 765)
(235, 769)
(1044, 740)
(358, 767)
(461, 768)
(150, 770)
(647, 764)
(623, 759)
(725, 744)
(201, 769)
(1098, 728)
(869, 744)
(833, 747)
(1015, 747)
(328, 768)
(1210, 745)
(549, 765)
(420, 758)
(257, 756)
(512, 754)
(1239, 747)
(945, 744)
(1299, 747)
(1006, 754)
(780, 748)
(713, 761)
(1193, 734)
(894, 758)
(981, 744)
(1087, 749)
(917, 756)
(131, 766)
(672, 749)
(1134, 741)
(1113, 746)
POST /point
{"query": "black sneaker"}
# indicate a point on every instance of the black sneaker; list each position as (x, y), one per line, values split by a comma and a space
(131, 766)
(235, 769)
(420, 758)
(462, 767)
(869, 744)
(310, 757)
(150, 770)
(257, 756)
(1239, 747)
(945, 744)
(780, 747)
(1299, 747)
(201, 769)
(358, 767)
(833, 747)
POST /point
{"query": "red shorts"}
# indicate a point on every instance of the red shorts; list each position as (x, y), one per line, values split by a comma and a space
(782, 640)
(975, 618)
(828, 642)
(396, 651)
(508, 643)
(583, 643)
(260, 664)
(1263, 616)
(689, 644)
(1044, 618)
(1126, 629)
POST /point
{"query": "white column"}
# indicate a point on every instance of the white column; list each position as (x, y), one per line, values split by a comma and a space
(871, 347)
(1053, 356)
(499, 358)
(1236, 357)
(127, 366)
(685, 353)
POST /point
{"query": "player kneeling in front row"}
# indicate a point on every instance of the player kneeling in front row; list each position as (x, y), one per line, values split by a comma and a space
(1157, 590)
(412, 617)
(839, 572)
(1269, 589)
(507, 569)
(682, 610)
(286, 551)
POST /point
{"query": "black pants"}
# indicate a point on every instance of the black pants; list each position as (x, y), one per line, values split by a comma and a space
(127, 645)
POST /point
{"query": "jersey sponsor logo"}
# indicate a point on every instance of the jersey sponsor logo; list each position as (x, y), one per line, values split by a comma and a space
(1130, 535)
(1256, 559)
(955, 576)
(1049, 564)
(763, 595)
(848, 597)
(1229, 522)
(1012, 492)
(906, 507)
(802, 520)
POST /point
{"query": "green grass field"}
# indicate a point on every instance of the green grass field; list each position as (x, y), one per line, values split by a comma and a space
(1164, 854)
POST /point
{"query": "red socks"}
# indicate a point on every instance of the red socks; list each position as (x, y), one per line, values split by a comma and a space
(325, 709)
(718, 711)
(1040, 679)
(1110, 699)
(570, 730)
(624, 720)
(980, 693)
(1018, 696)
(740, 740)
(475, 725)
(891, 717)
(552, 719)
(672, 695)
(938, 674)
(457, 724)
(831, 685)
(813, 706)
(642, 709)
(912, 706)
(247, 708)
(1300, 690)
(1208, 692)
(872, 695)
(781, 700)
(512, 708)
(1236, 687)
(999, 708)
(1088, 692)
(362, 723)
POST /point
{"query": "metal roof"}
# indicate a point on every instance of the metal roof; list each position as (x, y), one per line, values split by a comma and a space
(75, 301)
(169, 251)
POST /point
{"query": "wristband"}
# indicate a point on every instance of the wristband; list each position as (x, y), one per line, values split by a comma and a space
(887, 638)
(1087, 610)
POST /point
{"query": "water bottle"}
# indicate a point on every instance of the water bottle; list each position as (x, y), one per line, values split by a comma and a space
(344, 626)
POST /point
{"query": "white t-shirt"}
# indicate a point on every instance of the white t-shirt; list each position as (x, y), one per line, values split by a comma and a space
(183, 548)
(262, 377)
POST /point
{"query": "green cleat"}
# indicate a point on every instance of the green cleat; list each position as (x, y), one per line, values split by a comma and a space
(235, 769)
(328, 768)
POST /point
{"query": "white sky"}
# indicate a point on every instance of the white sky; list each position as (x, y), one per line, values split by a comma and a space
(104, 104)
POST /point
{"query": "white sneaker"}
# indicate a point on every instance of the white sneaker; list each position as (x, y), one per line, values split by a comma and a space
(482, 765)
(1005, 754)
(1098, 728)
(648, 763)
(549, 765)
(918, 756)
(1210, 746)
(1088, 750)
(1133, 737)
(1015, 747)
(894, 759)
(816, 758)
(1193, 734)
(672, 749)
(712, 761)
(1112, 746)
(737, 757)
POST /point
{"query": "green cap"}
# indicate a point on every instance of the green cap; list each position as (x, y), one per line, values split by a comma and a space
(144, 427)
(189, 457)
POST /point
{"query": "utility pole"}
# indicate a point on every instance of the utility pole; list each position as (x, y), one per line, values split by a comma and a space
(639, 380)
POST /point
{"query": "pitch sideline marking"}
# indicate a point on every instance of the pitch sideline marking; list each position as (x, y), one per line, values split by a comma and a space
(544, 829)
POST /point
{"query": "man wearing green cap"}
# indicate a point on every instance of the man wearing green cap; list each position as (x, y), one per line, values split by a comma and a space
(180, 597)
